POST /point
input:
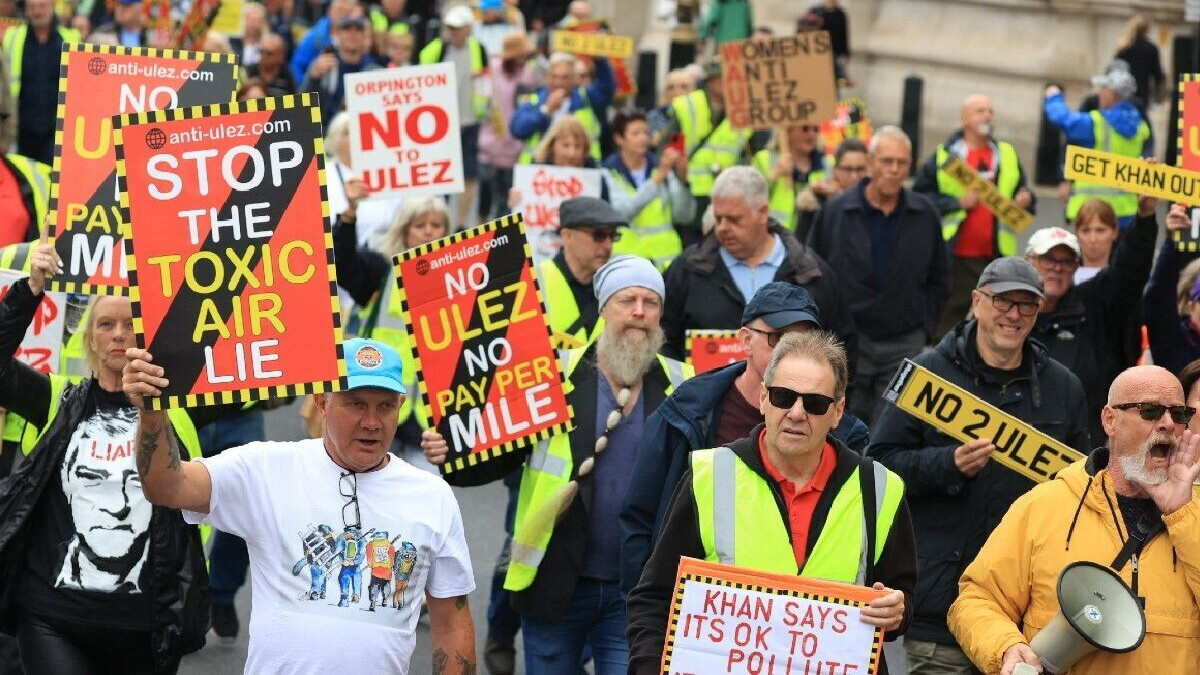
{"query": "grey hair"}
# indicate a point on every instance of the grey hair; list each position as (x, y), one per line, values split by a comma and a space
(741, 182)
(562, 57)
(889, 131)
(818, 346)
(337, 132)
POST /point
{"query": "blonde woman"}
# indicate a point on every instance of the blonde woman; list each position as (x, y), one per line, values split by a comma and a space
(565, 144)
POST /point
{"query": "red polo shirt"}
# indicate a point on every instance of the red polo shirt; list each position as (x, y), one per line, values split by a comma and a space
(801, 501)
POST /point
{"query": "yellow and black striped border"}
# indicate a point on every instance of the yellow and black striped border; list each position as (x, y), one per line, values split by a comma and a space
(494, 226)
(1182, 244)
(61, 121)
(214, 110)
(693, 333)
(677, 610)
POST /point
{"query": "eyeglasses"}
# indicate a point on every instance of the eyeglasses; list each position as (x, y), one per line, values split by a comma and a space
(1002, 304)
(812, 129)
(772, 337)
(600, 236)
(1068, 264)
(784, 399)
(348, 486)
(1152, 412)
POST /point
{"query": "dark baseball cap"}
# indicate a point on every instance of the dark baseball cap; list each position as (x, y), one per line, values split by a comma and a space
(780, 305)
(1011, 274)
(588, 212)
(355, 21)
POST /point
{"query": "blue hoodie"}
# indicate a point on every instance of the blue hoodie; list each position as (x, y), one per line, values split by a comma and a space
(1123, 117)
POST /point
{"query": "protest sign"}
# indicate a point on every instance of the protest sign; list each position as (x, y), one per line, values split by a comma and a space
(489, 376)
(41, 348)
(1188, 153)
(965, 417)
(711, 349)
(776, 83)
(99, 81)
(195, 24)
(543, 189)
(990, 197)
(230, 250)
(1133, 174)
(851, 121)
(727, 619)
(404, 130)
(230, 19)
(592, 44)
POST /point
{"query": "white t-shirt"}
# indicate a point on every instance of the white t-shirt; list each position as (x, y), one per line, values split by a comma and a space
(285, 500)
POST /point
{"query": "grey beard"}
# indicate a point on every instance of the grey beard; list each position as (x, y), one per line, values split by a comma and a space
(626, 358)
(1134, 466)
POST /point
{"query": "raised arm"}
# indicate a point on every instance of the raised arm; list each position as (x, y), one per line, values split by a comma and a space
(167, 480)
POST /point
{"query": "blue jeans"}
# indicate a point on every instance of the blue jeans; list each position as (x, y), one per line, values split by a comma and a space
(227, 558)
(595, 617)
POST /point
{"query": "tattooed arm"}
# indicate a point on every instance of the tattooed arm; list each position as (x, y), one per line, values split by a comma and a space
(453, 635)
(166, 479)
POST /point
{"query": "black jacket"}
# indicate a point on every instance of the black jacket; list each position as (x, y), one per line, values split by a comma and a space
(178, 582)
(649, 605)
(953, 515)
(701, 292)
(1095, 329)
(918, 280)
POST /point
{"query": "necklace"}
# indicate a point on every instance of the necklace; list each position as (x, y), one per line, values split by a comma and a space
(614, 418)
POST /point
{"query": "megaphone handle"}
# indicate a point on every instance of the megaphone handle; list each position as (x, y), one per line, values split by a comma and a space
(1024, 669)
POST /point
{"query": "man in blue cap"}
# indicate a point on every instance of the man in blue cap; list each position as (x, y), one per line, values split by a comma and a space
(289, 499)
(713, 409)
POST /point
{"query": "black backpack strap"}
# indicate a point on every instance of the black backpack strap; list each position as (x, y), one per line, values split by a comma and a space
(1148, 525)
(866, 481)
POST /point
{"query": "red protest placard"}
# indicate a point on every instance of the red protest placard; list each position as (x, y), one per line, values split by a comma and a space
(1187, 154)
(711, 349)
(489, 376)
(231, 253)
(99, 81)
(727, 619)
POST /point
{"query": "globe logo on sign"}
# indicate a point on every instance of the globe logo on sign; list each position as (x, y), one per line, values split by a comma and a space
(155, 138)
(97, 66)
(710, 348)
(422, 267)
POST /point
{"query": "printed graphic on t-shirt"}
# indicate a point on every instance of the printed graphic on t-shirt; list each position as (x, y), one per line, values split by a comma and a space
(338, 563)
(110, 514)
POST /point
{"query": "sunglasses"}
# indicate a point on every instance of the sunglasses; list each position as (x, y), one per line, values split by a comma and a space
(784, 399)
(348, 486)
(772, 337)
(1152, 412)
(600, 236)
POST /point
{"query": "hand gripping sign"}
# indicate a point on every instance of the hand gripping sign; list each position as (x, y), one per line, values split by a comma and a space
(489, 376)
(727, 619)
(99, 81)
(404, 130)
(785, 81)
(1187, 155)
(230, 253)
(711, 349)
(965, 417)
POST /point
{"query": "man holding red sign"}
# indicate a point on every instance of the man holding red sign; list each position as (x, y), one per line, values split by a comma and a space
(788, 499)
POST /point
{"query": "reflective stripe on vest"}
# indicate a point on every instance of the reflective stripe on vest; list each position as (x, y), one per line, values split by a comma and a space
(1008, 175)
(433, 52)
(722, 149)
(586, 116)
(782, 199)
(391, 330)
(1124, 204)
(561, 307)
(650, 233)
(14, 48)
(732, 503)
(547, 472)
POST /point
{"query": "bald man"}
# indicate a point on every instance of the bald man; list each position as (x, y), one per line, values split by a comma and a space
(1130, 506)
(972, 233)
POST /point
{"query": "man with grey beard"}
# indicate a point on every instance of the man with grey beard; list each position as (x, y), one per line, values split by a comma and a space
(1131, 503)
(566, 541)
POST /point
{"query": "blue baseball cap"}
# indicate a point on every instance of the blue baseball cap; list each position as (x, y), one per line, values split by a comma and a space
(781, 304)
(371, 363)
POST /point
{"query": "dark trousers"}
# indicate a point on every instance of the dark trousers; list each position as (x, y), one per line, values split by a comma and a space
(53, 647)
(494, 184)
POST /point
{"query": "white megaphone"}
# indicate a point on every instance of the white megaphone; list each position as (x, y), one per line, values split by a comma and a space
(1096, 611)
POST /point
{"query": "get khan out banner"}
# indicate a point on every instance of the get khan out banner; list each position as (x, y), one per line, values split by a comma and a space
(404, 130)
(42, 346)
(97, 82)
(231, 252)
(728, 619)
(489, 376)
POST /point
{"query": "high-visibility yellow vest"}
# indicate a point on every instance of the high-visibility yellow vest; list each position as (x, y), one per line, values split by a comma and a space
(389, 328)
(546, 474)
(480, 101)
(782, 200)
(14, 48)
(37, 175)
(585, 115)
(740, 523)
(380, 23)
(650, 234)
(1124, 203)
(1008, 175)
(567, 330)
(721, 150)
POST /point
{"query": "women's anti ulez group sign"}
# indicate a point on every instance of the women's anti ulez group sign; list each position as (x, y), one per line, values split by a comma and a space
(231, 254)
(489, 376)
